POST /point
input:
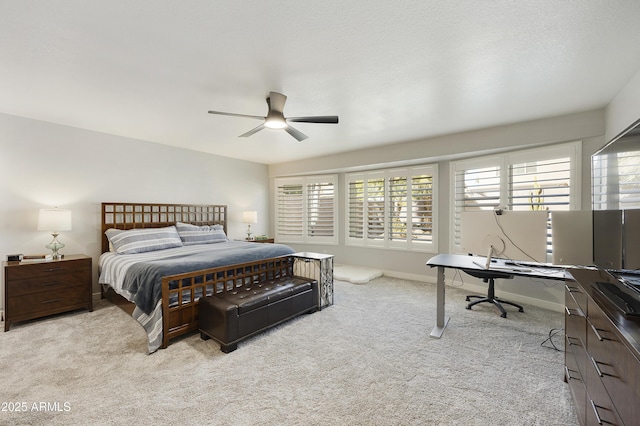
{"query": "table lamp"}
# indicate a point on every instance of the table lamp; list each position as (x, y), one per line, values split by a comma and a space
(54, 220)
(249, 217)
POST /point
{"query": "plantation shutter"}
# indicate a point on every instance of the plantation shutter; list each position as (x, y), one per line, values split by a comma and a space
(540, 185)
(356, 209)
(290, 211)
(320, 208)
(305, 209)
(398, 208)
(422, 208)
(537, 179)
(391, 208)
(375, 206)
(477, 187)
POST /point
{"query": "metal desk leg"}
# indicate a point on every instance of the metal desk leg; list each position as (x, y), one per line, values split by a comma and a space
(441, 319)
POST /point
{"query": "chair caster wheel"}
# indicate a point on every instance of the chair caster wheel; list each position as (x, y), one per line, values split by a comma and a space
(503, 315)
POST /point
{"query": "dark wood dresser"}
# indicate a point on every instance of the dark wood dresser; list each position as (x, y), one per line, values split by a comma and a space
(37, 289)
(602, 353)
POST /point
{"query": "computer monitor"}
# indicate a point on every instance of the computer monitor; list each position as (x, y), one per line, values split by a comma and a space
(514, 235)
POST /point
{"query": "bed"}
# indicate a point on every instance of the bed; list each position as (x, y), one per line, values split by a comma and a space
(158, 260)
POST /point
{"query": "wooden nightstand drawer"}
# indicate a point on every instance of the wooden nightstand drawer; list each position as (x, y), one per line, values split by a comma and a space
(45, 269)
(48, 302)
(48, 283)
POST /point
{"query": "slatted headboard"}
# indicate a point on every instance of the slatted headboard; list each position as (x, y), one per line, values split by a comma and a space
(150, 215)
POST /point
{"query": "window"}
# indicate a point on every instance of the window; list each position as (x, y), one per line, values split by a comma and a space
(306, 209)
(537, 179)
(391, 208)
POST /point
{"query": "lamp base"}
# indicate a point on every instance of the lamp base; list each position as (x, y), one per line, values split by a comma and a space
(54, 246)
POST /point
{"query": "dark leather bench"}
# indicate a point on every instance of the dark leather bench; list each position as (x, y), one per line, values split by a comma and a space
(235, 315)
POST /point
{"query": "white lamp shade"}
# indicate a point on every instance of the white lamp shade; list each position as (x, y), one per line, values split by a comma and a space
(54, 220)
(250, 216)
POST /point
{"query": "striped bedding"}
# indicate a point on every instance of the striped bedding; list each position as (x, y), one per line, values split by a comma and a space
(119, 272)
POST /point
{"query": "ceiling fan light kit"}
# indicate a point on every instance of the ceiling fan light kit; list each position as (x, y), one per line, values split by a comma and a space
(275, 123)
(275, 118)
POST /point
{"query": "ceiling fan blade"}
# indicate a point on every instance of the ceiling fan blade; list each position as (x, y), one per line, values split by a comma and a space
(252, 131)
(257, 117)
(276, 101)
(296, 133)
(329, 119)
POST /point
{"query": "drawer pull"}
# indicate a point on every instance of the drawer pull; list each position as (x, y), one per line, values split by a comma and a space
(595, 331)
(595, 410)
(568, 375)
(577, 312)
(51, 301)
(572, 289)
(54, 269)
(570, 341)
(50, 283)
(595, 365)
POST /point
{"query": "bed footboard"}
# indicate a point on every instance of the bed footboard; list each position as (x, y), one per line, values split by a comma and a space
(181, 293)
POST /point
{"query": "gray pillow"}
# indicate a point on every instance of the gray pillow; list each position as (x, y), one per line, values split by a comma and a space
(142, 240)
(194, 234)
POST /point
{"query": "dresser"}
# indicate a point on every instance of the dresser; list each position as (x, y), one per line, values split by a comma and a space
(37, 289)
(602, 353)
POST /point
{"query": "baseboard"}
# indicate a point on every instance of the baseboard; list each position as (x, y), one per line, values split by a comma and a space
(405, 276)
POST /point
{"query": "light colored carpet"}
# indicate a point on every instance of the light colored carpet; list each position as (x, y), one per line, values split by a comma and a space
(355, 274)
(366, 360)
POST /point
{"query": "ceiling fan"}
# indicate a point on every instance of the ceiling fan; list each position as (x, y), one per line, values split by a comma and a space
(275, 118)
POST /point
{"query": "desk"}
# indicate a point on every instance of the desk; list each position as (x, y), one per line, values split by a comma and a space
(475, 265)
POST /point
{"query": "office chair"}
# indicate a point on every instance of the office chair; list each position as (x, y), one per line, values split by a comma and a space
(489, 276)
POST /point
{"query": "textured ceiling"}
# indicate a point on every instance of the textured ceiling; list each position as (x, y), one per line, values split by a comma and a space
(393, 71)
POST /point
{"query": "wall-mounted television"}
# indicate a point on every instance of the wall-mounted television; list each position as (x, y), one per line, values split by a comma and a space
(615, 192)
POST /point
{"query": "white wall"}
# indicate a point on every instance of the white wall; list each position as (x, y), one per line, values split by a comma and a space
(46, 165)
(624, 109)
(587, 126)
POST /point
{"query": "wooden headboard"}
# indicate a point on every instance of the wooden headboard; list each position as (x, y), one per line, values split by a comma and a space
(150, 215)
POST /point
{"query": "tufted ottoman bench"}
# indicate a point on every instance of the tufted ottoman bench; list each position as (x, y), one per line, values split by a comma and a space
(237, 314)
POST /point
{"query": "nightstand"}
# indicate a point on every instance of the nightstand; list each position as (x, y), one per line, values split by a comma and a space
(266, 240)
(319, 267)
(37, 289)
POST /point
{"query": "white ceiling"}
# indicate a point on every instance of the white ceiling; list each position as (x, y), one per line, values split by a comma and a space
(392, 70)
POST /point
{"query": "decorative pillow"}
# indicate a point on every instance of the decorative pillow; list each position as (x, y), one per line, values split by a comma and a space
(194, 234)
(142, 240)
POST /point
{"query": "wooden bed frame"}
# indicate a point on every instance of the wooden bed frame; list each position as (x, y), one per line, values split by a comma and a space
(182, 318)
